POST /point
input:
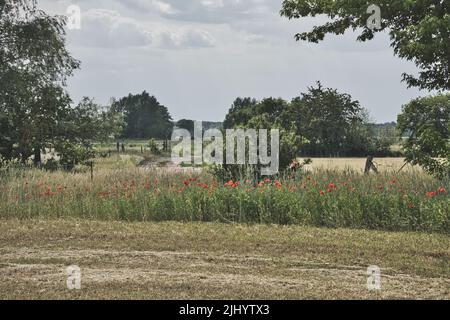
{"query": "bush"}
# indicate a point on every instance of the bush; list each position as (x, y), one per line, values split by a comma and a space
(154, 147)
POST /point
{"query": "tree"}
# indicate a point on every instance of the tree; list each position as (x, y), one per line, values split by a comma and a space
(426, 124)
(187, 125)
(34, 66)
(82, 126)
(419, 31)
(240, 112)
(248, 113)
(144, 116)
(331, 122)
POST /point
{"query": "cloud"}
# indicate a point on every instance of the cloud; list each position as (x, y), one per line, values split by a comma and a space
(149, 6)
(247, 49)
(204, 11)
(184, 38)
(109, 29)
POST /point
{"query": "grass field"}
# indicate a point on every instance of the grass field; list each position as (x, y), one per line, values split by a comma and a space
(331, 198)
(145, 233)
(216, 261)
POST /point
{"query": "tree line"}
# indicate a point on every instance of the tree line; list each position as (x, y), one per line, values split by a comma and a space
(325, 122)
(37, 113)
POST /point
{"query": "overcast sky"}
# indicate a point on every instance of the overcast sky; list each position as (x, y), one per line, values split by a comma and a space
(197, 56)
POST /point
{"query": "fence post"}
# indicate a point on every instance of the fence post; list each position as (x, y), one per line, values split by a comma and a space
(91, 164)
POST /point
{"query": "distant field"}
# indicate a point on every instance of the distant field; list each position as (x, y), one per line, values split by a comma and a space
(357, 164)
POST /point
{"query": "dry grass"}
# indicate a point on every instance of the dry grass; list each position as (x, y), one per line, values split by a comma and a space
(358, 164)
(216, 261)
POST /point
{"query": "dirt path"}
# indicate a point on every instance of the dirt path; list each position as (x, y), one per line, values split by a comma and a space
(166, 165)
(193, 261)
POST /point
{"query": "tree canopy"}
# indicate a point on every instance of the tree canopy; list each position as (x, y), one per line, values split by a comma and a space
(419, 31)
(144, 116)
(324, 121)
(34, 66)
(426, 124)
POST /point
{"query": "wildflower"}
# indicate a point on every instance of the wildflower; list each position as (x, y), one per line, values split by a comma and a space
(442, 190)
(186, 183)
(322, 193)
(332, 186)
(431, 194)
(278, 184)
(229, 183)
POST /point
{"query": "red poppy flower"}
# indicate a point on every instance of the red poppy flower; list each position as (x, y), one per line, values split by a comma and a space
(431, 194)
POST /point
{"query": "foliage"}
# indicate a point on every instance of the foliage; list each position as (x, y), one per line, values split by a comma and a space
(35, 109)
(331, 123)
(187, 125)
(419, 31)
(320, 122)
(154, 147)
(240, 112)
(247, 113)
(426, 122)
(144, 116)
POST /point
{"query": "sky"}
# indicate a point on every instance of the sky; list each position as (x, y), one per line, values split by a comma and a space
(197, 56)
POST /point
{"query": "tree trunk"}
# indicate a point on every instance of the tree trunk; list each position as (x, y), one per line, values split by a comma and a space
(37, 156)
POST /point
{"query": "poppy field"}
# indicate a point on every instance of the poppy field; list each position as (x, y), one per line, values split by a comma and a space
(410, 201)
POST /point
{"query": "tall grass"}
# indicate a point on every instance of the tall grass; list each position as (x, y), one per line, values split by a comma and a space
(409, 201)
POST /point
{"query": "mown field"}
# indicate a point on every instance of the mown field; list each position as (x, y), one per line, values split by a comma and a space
(170, 260)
